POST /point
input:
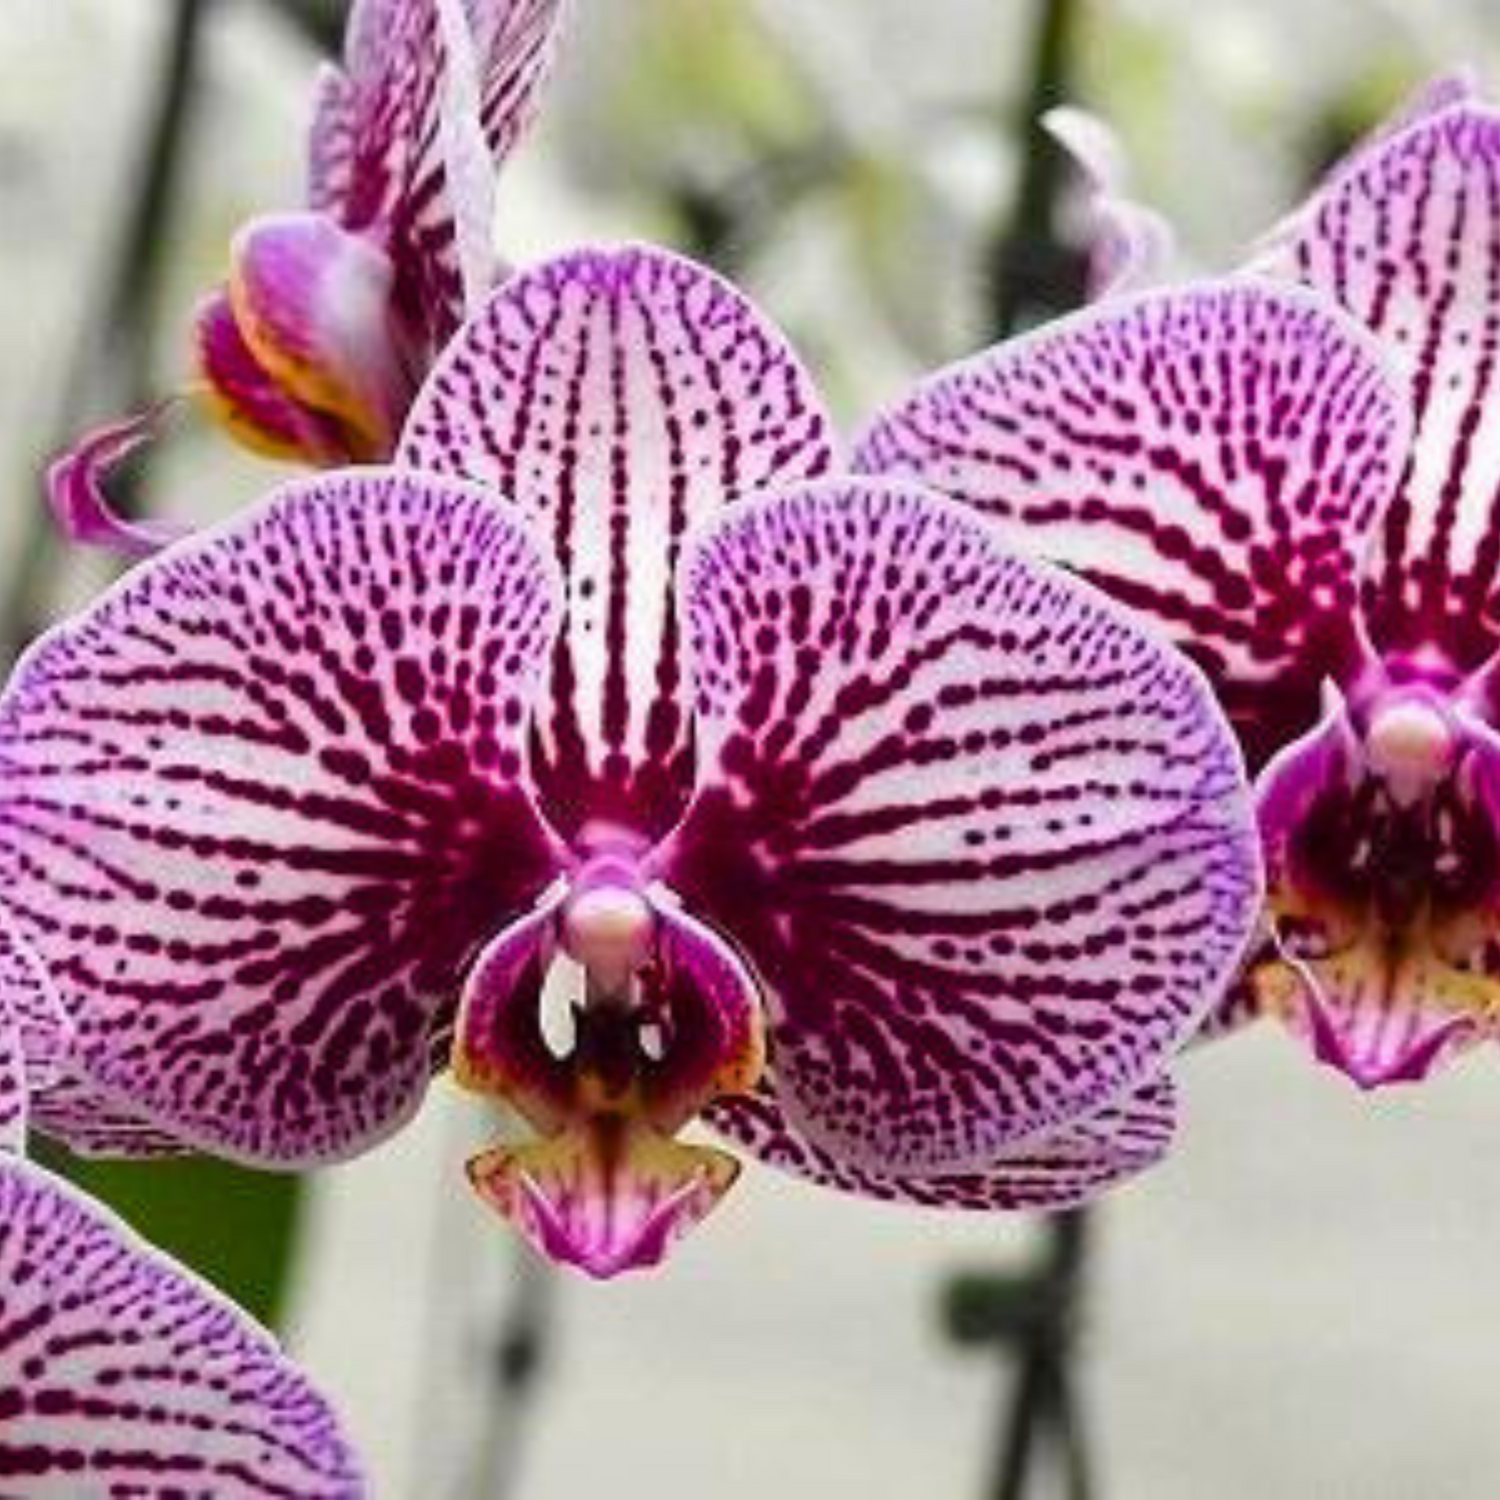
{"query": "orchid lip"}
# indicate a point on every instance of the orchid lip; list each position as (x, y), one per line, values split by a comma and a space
(1383, 850)
(666, 1022)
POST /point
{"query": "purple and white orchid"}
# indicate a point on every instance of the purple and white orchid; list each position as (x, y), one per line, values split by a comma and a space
(604, 747)
(332, 315)
(120, 1373)
(1326, 547)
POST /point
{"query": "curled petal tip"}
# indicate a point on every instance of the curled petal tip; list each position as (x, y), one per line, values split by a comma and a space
(1415, 1062)
(1132, 245)
(76, 494)
(1376, 1027)
(611, 1197)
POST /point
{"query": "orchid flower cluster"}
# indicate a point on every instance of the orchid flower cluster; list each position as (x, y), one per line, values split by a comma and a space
(595, 728)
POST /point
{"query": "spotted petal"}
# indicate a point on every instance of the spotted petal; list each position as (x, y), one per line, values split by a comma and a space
(620, 399)
(1069, 1167)
(1407, 238)
(986, 842)
(377, 151)
(262, 802)
(122, 1375)
(13, 1090)
(29, 1004)
(1214, 457)
(90, 1122)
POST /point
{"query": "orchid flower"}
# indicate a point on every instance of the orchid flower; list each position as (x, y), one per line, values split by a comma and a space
(314, 347)
(120, 1373)
(1315, 521)
(606, 748)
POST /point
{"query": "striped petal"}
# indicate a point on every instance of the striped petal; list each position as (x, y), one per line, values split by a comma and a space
(13, 1088)
(120, 1374)
(1406, 237)
(379, 147)
(264, 800)
(619, 399)
(29, 1003)
(1064, 1169)
(985, 841)
(1215, 457)
(92, 1123)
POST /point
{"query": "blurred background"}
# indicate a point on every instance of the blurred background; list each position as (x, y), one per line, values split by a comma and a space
(1300, 1303)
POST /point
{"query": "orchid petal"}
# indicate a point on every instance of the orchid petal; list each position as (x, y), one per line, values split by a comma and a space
(467, 164)
(1133, 245)
(1406, 237)
(92, 1123)
(1064, 1169)
(312, 303)
(122, 1374)
(985, 841)
(606, 1188)
(13, 1088)
(331, 143)
(30, 1004)
(264, 799)
(1213, 457)
(399, 183)
(75, 489)
(245, 397)
(620, 398)
(697, 994)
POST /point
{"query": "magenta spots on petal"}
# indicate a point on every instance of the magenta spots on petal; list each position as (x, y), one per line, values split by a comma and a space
(985, 842)
(619, 399)
(377, 149)
(1406, 237)
(263, 802)
(1217, 457)
(1064, 1169)
(122, 1374)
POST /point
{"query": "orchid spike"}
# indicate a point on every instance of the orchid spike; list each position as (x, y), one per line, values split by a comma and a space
(1320, 507)
(331, 314)
(120, 1373)
(606, 747)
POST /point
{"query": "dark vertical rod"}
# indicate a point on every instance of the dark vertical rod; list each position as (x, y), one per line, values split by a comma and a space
(110, 366)
(1044, 1397)
(1030, 274)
